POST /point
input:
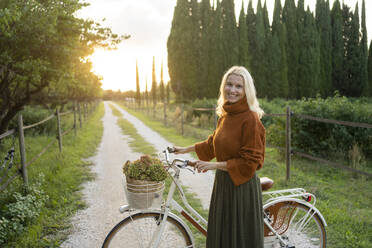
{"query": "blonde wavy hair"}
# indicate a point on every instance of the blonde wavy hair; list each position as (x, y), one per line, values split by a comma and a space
(249, 89)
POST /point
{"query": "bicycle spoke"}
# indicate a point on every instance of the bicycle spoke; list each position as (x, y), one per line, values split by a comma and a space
(305, 229)
(139, 231)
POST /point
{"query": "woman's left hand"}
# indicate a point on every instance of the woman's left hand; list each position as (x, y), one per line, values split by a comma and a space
(203, 166)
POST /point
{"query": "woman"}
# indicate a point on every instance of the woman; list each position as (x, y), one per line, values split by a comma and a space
(238, 143)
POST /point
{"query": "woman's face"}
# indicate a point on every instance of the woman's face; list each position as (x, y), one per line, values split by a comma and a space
(234, 88)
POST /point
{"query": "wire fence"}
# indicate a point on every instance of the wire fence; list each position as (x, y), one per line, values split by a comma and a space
(288, 149)
(8, 163)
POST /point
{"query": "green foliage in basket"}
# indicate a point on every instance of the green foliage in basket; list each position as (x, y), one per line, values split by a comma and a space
(145, 168)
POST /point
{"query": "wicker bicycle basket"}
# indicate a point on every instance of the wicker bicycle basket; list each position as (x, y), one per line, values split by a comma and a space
(143, 194)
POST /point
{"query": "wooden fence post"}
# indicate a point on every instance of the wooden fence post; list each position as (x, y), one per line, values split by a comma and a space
(22, 150)
(80, 120)
(59, 133)
(75, 128)
(165, 114)
(288, 144)
(182, 108)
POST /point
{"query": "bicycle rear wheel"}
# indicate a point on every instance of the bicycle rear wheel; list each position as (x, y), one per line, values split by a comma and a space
(137, 230)
(296, 223)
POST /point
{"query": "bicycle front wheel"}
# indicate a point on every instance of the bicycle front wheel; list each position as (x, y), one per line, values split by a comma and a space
(297, 223)
(137, 231)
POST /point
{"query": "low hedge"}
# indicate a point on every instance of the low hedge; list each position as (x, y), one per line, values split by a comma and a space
(324, 139)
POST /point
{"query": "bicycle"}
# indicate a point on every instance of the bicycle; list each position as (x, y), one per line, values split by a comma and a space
(290, 218)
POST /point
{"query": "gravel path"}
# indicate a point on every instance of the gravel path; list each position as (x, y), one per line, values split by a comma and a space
(104, 195)
(200, 184)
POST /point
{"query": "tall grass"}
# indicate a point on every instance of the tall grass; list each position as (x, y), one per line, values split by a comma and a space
(60, 176)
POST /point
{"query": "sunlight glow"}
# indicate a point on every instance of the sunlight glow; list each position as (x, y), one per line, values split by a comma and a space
(118, 67)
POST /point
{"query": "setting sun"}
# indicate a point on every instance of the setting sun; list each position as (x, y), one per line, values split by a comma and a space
(118, 67)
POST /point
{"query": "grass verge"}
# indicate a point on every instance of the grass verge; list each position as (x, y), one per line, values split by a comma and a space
(137, 142)
(60, 176)
(140, 145)
(343, 198)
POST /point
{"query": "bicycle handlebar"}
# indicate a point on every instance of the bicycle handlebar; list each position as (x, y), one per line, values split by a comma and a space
(185, 163)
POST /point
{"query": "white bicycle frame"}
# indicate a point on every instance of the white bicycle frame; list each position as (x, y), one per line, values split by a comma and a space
(297, 195)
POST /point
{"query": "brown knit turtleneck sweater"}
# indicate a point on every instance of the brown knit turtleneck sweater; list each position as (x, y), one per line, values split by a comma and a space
(238, 139)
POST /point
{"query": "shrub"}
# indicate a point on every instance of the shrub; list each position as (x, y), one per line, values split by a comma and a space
(20, 209)
(325, 138)
(318, 138)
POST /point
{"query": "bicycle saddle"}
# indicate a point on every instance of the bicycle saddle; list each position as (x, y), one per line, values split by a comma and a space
(266, 183)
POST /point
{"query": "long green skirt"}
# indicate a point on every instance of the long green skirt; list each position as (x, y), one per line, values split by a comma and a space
(235, 214)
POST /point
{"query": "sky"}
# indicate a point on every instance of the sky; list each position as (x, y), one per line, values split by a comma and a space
(149, 23)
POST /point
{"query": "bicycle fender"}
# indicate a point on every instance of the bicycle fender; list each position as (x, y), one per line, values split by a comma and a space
(312, 207)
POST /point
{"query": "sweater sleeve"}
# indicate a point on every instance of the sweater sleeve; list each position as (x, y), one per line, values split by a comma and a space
(205, 149)
(251, 154)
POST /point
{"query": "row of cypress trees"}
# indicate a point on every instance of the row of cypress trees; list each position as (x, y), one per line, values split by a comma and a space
(158, 93)
(301, 54)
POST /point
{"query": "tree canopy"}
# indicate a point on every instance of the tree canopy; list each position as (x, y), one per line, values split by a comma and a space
(43, 54)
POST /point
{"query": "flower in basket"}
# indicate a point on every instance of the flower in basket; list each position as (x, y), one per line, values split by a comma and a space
(146, 168)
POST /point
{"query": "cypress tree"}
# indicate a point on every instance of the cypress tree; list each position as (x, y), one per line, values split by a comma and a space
(243, 39)
(352, 63)
(147, 95)
(274, 69)
(205, 49)
(279, 56)
(370, 70)
(357, 84)
(290, 20)
(154, 84)
(168, 92)
(138, 91)
(323, 22)
(181, 52)
(216, 69)
(364, 53)
(267, 83)
(266, 20)
(259, 53)
(309, 57)
(277, 20)
(284, 90)
(251, 28)
(337, 46)
(196, 61)
(300, 17)
(161, 85)
(229, 35)
(302, 63)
